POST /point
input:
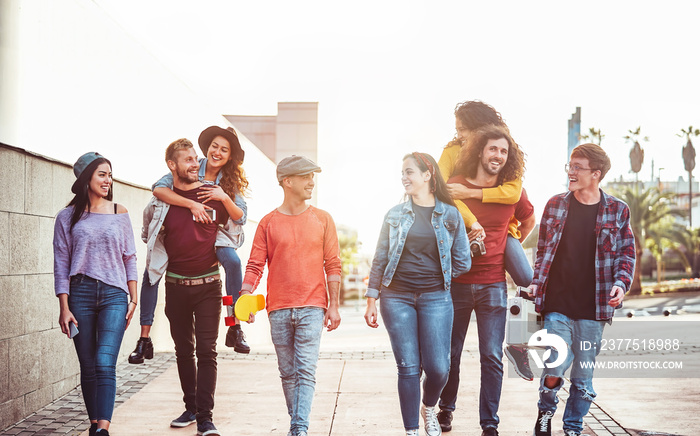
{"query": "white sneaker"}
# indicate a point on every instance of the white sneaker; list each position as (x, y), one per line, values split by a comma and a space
(432, 426)
(412, 432)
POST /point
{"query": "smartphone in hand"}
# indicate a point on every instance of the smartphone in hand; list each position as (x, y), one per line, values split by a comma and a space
(73, 330)
(210, 212)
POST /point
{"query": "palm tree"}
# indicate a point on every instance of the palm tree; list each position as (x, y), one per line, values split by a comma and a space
(593, 135)
(689, 161)
(636, 153)
(667, 234)
(648, 211)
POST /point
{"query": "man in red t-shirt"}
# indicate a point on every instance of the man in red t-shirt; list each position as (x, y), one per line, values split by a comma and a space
(489, 158)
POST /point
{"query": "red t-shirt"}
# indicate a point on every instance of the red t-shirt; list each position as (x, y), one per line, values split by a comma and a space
(494, 218)
(189, 244)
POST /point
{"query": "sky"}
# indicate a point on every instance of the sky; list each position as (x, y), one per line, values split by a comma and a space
(388, 74)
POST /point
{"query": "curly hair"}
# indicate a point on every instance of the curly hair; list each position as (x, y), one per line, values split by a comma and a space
(470, 155)
(475, 114)
(233, 179)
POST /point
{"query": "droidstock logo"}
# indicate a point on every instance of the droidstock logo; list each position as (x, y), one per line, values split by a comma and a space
(542, 339)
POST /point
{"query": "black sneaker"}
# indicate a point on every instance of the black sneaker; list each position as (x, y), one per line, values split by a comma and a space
(543, 426)
(143, 350)
(521, 363)
(205, 428)
(184, 420)
(489, 431)
(444, 417)
(235, 338)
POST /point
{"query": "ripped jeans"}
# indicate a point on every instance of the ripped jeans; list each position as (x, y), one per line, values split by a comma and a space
(581, 393)
(419, 326)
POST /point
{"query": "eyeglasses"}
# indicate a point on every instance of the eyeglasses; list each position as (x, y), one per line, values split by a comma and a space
(575, 169)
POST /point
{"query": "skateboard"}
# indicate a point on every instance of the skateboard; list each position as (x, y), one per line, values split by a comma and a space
(245, 305)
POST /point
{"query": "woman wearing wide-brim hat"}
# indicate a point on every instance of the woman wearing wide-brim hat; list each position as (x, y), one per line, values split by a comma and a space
(95, 280)
(222, 170)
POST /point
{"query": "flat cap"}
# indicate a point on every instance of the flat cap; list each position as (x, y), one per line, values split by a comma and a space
(296, 166)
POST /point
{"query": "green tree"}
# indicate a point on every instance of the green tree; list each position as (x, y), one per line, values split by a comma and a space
(649, 209)
(662, 236)
(348, 250)
(691, 241)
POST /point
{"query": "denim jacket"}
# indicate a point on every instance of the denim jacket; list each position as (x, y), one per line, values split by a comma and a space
(231, 234)
(453, 244)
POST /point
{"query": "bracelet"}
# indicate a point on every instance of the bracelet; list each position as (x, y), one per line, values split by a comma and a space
(132, 301)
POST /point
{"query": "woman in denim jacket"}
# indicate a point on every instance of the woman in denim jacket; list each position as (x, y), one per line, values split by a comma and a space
(422, 245)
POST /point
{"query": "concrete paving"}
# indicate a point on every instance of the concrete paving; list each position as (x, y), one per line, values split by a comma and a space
(356, 395)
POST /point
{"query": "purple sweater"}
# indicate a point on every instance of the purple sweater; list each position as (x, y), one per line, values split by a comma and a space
(100, 246)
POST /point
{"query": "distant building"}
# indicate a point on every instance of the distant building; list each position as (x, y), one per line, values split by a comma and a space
(294, 130)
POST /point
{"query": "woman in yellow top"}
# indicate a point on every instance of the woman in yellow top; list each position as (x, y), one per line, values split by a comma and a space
(470, 116)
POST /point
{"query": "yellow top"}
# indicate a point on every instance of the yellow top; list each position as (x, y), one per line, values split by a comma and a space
(507, 193)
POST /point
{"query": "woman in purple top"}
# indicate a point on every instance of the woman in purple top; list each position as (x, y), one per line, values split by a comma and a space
(95, 281)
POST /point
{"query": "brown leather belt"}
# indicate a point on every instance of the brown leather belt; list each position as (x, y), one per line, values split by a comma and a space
(193, 282)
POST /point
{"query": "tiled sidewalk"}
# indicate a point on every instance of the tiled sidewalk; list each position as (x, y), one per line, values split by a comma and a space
(67, 414)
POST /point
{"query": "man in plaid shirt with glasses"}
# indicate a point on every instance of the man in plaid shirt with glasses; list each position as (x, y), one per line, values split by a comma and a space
(584, 267)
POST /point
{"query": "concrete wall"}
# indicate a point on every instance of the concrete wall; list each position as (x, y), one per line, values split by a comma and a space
(37, 362)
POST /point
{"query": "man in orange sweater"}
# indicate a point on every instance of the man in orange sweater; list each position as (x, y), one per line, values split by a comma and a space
(300, 245)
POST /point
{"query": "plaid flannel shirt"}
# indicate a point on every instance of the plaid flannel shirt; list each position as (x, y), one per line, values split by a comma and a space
(615, 251)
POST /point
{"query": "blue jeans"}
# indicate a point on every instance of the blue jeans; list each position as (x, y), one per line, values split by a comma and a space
(232, 265)
(296, 334)
(517, 263)
(581, 393)
(234, 279)
(489, 304)
(419, 326)
(100, 310)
